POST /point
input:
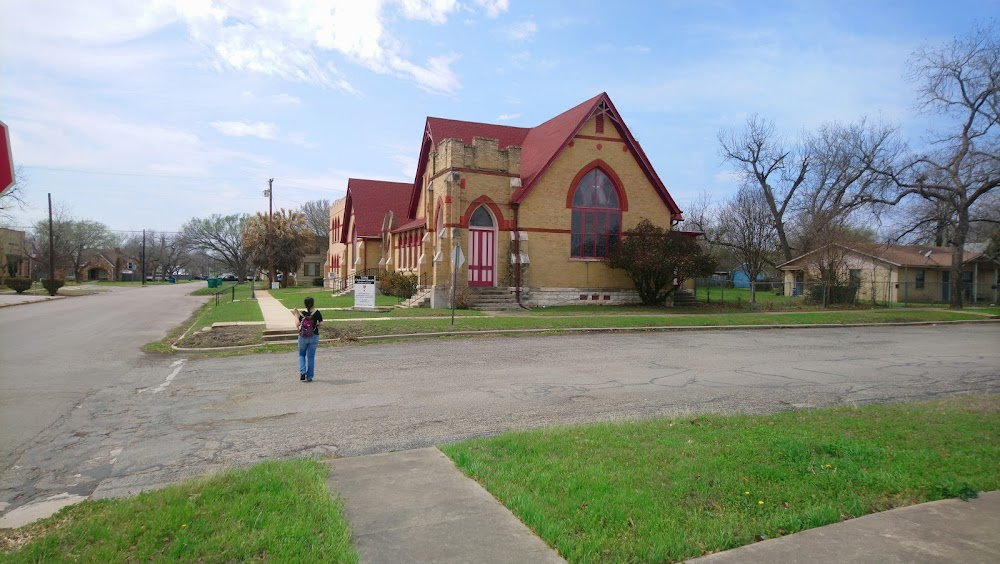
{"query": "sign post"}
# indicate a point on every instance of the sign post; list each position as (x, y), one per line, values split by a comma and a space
(457, 259)
(6, 159)
(364, 292)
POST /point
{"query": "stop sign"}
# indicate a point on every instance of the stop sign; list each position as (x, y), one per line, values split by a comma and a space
(6, 161)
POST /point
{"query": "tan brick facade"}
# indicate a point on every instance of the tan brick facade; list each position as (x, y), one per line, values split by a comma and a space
(460, 176)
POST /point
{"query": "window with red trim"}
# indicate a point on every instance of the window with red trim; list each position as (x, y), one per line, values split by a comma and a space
(597, 216)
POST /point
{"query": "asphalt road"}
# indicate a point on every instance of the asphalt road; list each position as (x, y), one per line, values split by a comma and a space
(166, 418)
(55, 354)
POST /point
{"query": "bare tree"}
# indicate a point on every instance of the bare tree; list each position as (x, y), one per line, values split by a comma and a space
(13, 198)
(960, 81)
(744, 226)
(764, 159)
(317, 218)
(221, 237)
(843, 177)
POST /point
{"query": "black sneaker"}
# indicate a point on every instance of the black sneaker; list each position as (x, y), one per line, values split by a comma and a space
(302, 376)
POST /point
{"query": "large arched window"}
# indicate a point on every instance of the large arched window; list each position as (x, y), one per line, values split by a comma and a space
(597, 216)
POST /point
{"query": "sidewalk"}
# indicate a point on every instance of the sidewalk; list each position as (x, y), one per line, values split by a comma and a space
(416, 506)
(950, 530)
(277, 317)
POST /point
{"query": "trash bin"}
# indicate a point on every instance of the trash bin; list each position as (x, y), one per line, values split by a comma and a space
(173, 280)
(213, 282)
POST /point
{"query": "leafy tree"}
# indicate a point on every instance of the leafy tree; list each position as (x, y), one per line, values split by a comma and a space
(220, 237)
(282, 240)
(654, 258)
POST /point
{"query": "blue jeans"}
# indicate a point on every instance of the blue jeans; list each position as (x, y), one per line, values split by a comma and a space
(307, 355)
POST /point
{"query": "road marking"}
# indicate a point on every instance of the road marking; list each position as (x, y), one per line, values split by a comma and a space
(179, 365)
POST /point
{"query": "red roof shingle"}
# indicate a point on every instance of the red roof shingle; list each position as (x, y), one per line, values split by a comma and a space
(371, 200)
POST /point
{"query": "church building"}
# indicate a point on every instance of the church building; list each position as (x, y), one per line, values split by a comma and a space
(528, 212)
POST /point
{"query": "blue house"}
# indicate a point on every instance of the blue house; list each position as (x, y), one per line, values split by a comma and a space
(742, 280)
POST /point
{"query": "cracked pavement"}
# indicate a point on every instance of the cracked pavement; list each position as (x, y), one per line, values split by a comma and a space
(142, 421)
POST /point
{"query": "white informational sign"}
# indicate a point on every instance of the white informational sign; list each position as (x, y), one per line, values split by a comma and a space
(364, 292)
(457, 257)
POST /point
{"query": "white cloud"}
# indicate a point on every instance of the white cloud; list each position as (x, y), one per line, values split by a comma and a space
(521, 31)
(434, 11)
(638, 49)
(507, 117)
(493, 7)
(259, 129)
(291, 40)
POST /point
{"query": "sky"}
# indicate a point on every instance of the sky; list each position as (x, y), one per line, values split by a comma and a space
(146, 114)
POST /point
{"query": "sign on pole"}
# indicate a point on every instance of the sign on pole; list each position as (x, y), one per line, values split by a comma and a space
(6, 159)
(457, 257)
(364, 292)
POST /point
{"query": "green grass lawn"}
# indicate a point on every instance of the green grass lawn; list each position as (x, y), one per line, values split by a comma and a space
(323, 298)
(272, 512)
(672, 489)
(402, 326)
(243, 309)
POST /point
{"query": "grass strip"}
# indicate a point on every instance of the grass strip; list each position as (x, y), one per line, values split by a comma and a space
(402, 326)
(275, 511)
(672, 489)
(322, 298)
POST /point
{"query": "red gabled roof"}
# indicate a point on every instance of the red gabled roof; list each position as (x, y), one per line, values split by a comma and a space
(539, 145)
(544, 142)
(370, 201)
(410, 225)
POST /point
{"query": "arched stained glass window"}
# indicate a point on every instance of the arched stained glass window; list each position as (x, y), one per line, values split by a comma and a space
(597, 216)
(481, 218)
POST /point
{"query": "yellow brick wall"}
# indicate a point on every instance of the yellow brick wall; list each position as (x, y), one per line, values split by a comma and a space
(545, 208)
(488, 172)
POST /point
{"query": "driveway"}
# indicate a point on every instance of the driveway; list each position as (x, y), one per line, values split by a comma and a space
(168, 418)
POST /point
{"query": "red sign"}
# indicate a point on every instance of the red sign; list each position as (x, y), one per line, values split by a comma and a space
(6, 160)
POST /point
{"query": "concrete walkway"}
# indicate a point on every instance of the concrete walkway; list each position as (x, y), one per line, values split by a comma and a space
(276, 315)
(949, 530)
(415, 506)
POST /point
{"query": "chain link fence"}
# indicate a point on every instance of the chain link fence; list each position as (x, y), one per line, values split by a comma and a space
(776, 294)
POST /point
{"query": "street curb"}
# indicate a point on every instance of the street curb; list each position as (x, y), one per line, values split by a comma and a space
(660, 329)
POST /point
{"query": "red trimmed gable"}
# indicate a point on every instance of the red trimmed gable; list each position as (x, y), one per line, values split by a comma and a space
(539, 145)
(371, 200)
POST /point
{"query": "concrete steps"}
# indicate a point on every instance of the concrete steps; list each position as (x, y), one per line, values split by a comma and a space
(685, 298)
(494, 299)
(421, 298)
(281, 335)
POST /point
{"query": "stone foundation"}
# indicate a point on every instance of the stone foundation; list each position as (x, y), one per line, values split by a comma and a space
(545, 297)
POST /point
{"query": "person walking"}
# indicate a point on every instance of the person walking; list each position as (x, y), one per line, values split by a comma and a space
(308, 324)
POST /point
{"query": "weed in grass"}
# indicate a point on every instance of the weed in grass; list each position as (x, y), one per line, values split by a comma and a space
(671, 490)
(275, 511)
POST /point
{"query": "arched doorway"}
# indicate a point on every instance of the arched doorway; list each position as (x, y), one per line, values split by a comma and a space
(482, 248)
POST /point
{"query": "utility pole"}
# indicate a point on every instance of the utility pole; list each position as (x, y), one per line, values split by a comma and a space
(52, 246)
(270, 219)
(143, 275)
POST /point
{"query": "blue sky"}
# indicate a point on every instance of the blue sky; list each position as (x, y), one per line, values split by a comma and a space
(144, 114)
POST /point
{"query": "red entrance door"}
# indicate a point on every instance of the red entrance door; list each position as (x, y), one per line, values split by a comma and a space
(482, 257)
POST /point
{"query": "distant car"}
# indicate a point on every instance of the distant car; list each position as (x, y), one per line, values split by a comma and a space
(201, 277)
(229, 277)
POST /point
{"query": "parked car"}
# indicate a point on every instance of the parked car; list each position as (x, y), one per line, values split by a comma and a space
(229, 277)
